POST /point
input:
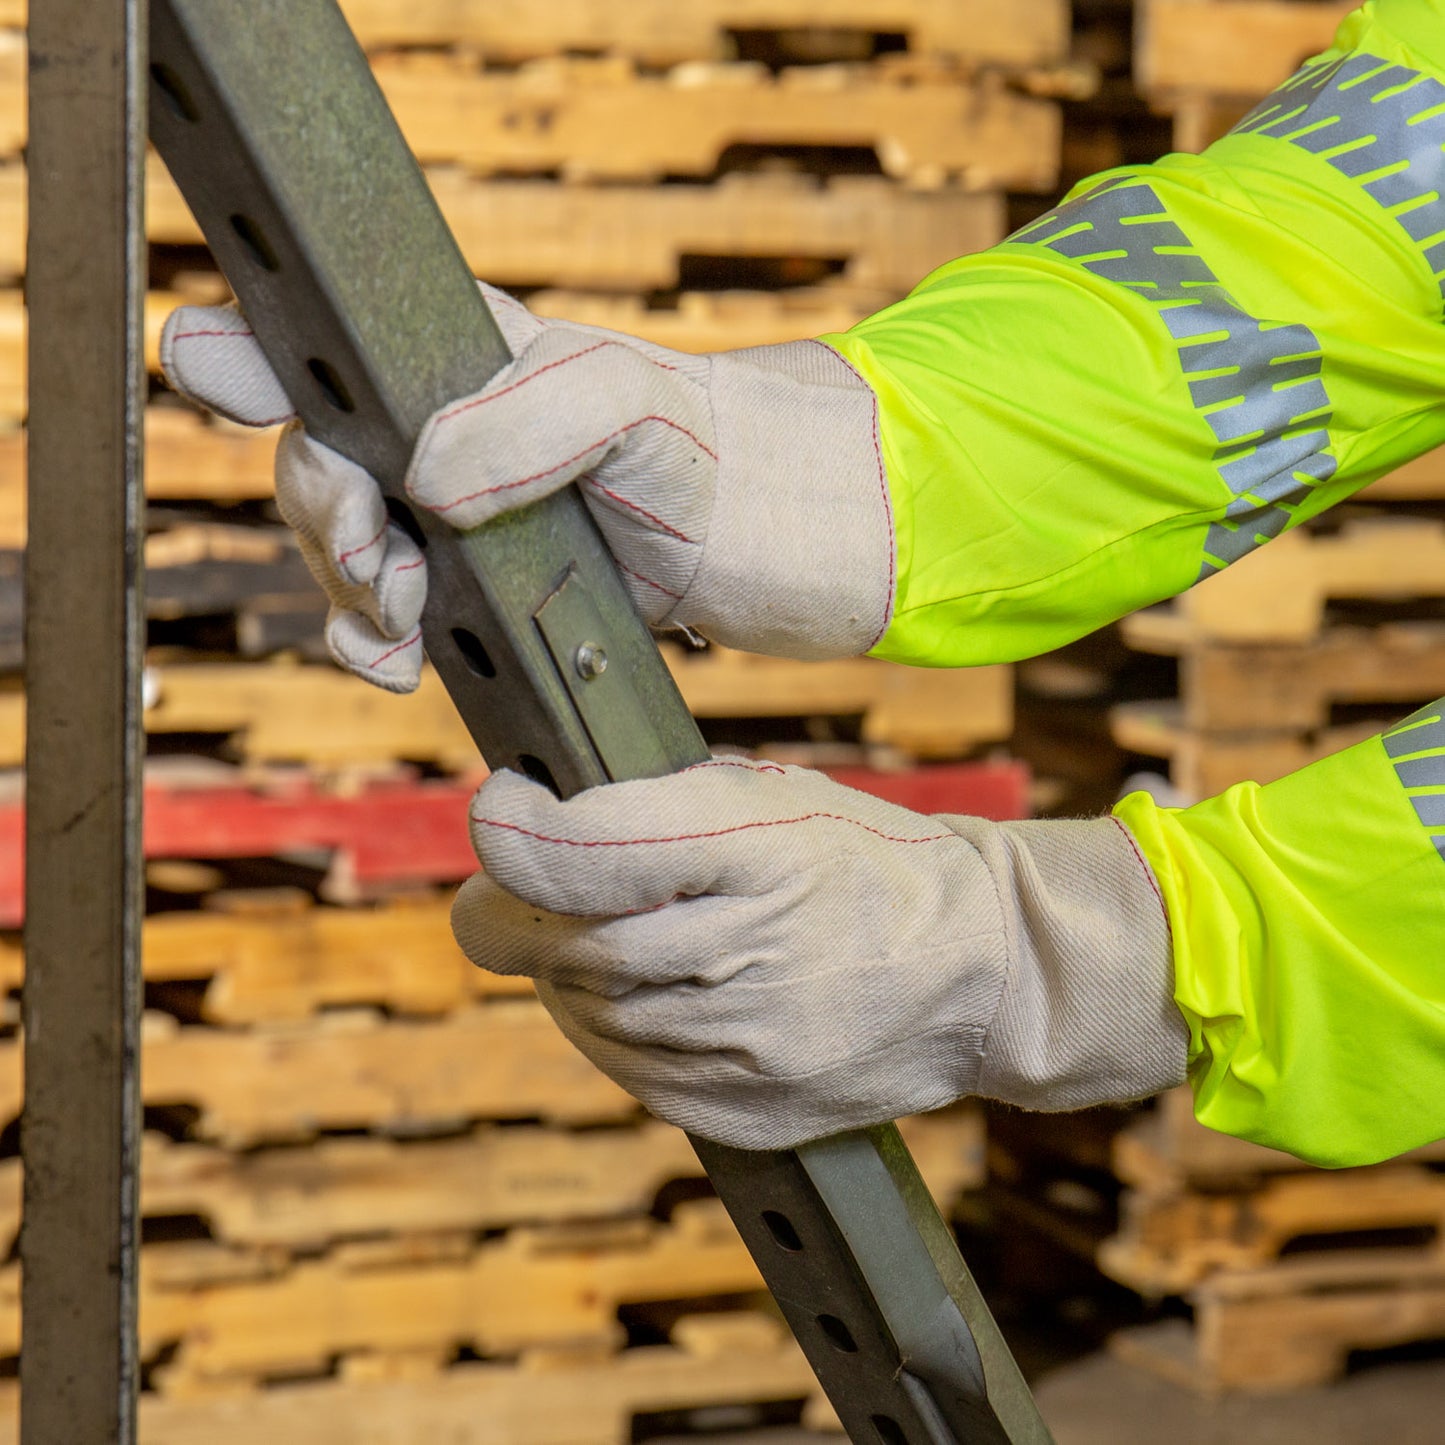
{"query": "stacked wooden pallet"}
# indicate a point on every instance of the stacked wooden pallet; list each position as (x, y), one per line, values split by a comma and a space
(1289, 1270)
(1316, 641)
(1206, 62)
(713, 175)
(382, 1195)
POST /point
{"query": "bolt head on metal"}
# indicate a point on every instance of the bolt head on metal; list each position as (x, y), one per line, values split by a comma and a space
(591, 661)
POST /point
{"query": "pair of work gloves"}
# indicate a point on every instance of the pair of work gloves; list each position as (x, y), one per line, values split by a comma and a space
(756, 952)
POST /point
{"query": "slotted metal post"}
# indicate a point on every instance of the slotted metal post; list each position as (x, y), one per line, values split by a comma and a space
(84, 636)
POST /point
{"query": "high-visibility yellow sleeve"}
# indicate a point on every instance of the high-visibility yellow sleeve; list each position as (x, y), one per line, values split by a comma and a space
(1308, 920)
(1178, 363)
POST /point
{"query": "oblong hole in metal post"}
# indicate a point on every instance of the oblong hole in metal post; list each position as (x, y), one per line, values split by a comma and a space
(405, 518)
(474, 652)
(782, 1230)
(253, 238)
(539, 772)
(890, 1432)
(331, 384)
(839, 1335)
(173, 90)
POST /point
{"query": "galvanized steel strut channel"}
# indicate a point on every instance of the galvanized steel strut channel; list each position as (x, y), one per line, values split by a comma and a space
(268, 116)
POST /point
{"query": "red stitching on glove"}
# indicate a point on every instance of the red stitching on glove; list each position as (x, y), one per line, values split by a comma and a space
(642, 511)
(657, 586)
(883, 486)
(412, 566)
(190, 335)
(1149, 874)
(477, 401)
(737, 763)
(345, 556)
(400, 647)
(698, 837)
(537, 476)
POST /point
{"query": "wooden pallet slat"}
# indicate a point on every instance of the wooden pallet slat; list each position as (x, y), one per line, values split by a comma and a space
(548, 1397)
(530, 233)
(1295, 1324)
(1167, 1244)
(600, 120)
(1225, 688)
(356, 1070)
(337, 1189)
(1025, 32)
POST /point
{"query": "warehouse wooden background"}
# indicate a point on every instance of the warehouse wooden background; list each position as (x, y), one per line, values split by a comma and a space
(383, 1199)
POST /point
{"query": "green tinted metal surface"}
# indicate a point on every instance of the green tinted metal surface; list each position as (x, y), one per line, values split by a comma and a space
(269, 119)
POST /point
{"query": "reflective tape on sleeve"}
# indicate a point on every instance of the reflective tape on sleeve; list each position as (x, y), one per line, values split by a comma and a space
(1257, 384)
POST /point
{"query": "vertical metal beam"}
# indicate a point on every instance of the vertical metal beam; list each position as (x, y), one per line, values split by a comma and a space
(84, 636)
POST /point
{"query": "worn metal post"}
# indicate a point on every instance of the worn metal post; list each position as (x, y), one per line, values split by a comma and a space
(83, 640)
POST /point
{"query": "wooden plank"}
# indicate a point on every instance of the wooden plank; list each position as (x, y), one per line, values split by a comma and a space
(1279, 593)
(278, 712)
(1202, 764)
(662, 32)
(353, 1188)
(716, 1362)
(601, 120)
(530, 233)
(1292, 686)
(1229, 47)
(228, 1313)
(929, 712)
(591, 119)
(1168, 1243)
(1025, 32)
(1289, 1328)
(357, 1070)
(527, 233)
(489, 1178)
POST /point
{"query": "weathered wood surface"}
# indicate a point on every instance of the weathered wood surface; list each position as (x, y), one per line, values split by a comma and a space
(663, 32)
(358, 1070)
(1168, 1243)
(1279, 593)
(337, 1189)
(726, 1361)
(277, 712)
(1291, 687)
(1228, 47)
(1202, 764)
(602, 120)
(1296, 1323)
(246, 1313)
(528, 233)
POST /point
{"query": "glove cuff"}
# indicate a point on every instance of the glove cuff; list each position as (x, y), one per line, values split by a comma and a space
(1087, 1013)
(801, 558)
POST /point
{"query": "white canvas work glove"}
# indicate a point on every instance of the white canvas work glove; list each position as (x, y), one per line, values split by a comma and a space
(742, 494)
(764, 956)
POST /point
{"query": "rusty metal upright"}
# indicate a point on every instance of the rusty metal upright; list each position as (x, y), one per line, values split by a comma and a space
(84, 637)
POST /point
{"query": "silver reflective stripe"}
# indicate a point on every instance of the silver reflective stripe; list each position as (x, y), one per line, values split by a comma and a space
(1417, 747)
(1258, 384)
(1372, 121)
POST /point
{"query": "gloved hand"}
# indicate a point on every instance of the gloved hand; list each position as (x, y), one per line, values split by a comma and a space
(764, 956)
(743, 494)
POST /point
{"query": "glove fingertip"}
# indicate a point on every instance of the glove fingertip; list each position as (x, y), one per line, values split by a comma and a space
(210, 356)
